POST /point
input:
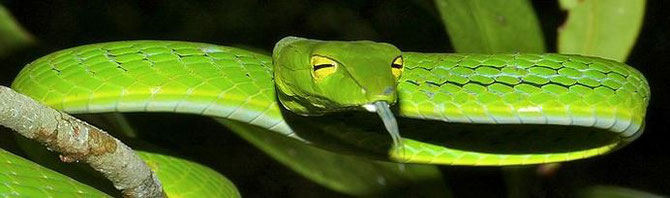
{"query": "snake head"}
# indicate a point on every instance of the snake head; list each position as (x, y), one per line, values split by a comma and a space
(314, 77)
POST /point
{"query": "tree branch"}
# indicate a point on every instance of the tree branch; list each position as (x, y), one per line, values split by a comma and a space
(76, 140)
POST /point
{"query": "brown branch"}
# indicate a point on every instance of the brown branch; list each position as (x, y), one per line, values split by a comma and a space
(76, 140)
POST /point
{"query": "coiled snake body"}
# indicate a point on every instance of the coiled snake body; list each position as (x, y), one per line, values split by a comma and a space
(594, 104)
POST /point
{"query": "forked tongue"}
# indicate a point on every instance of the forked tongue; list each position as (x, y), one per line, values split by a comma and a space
(382, 108)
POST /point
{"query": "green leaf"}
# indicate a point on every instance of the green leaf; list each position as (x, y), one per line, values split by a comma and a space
(604, 28)
(352, 175)
(491, 26)
(12, 35)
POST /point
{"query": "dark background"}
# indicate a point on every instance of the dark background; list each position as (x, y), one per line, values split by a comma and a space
(412, 25)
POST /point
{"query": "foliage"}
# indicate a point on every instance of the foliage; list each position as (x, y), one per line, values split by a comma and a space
(604, 28)
(491, 26)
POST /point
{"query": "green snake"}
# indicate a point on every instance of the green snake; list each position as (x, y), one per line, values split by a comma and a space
(454, 109)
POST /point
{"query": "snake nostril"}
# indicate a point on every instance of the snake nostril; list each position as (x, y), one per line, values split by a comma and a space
(388, 91)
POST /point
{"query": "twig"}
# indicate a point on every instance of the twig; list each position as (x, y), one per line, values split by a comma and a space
(76, 140)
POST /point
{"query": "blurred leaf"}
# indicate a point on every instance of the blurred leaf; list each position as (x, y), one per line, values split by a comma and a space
(614, 192)
(12, 35)
(605, 28)
(347, 174)
(490, 26)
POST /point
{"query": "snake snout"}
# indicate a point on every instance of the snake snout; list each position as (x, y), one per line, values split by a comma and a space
(387, 94)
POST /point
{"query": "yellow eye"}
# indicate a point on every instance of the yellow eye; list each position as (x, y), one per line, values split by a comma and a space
(322, 67)
(397, 66)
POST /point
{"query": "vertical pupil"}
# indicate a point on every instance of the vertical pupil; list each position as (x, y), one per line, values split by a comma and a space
(321, 66)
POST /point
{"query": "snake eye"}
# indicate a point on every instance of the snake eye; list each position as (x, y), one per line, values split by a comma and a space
(396, 66)
(322, 67)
